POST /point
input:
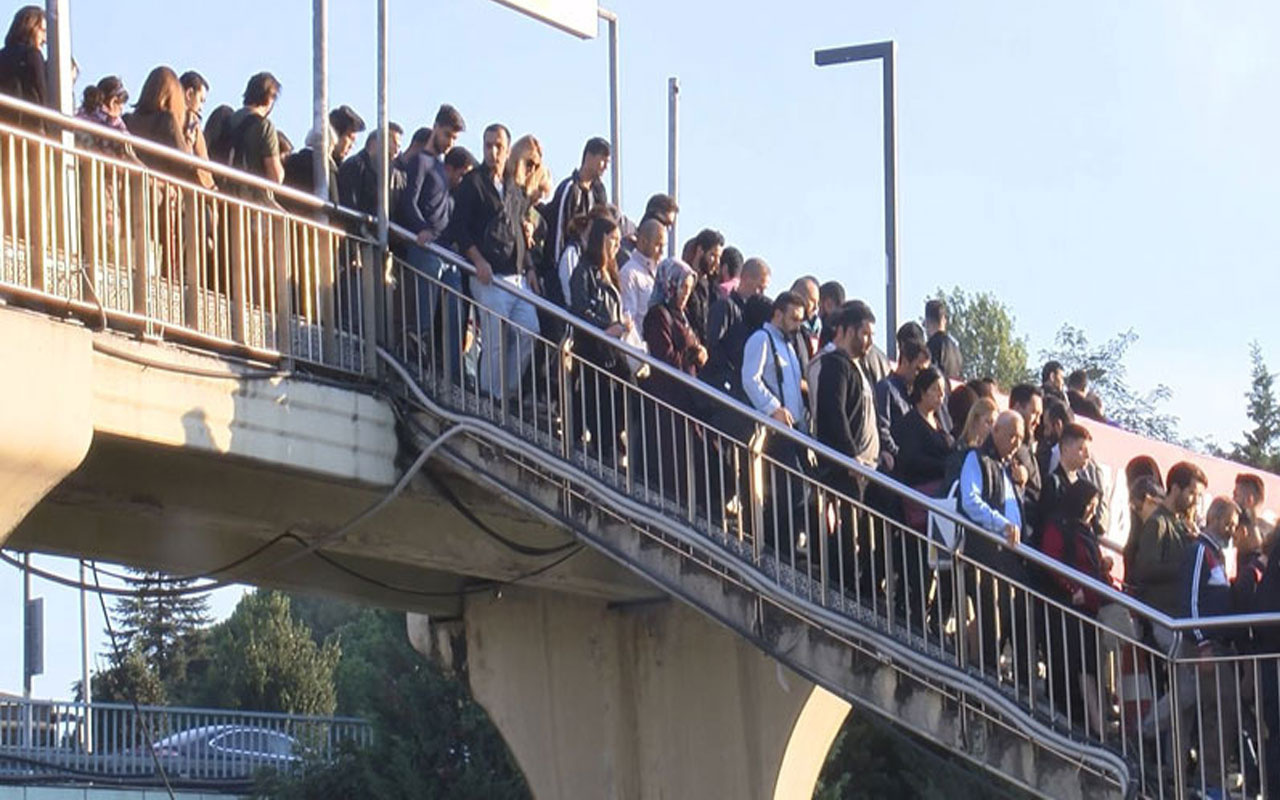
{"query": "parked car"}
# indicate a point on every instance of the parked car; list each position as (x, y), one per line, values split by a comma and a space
(218, 751)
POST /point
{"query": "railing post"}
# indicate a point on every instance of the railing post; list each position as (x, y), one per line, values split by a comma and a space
(239, 312)
(286, 281)
(192, 244)
(321, 245)
(89, 215)
(371, 264)
(37, 180)
(140, 229)
(756, 481)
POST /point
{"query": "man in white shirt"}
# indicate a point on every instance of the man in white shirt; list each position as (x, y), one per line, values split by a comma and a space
(641, 269)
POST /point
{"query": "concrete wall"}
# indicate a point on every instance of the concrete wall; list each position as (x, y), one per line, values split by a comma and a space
(642, 701)
(98, 793)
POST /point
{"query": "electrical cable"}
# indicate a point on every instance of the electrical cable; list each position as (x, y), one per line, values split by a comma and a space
(199, 372)
(133, 699)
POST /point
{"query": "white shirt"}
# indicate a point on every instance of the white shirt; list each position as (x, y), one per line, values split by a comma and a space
(638, 276)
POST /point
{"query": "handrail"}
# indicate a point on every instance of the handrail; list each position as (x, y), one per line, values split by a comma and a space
(100, 131)
(1039, 559)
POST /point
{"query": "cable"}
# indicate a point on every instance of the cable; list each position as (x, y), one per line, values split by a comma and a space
(199, 372)
(467, 513)
(133, 699)
(71, 583)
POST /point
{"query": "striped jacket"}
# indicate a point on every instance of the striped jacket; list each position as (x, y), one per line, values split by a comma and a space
(1208, 590)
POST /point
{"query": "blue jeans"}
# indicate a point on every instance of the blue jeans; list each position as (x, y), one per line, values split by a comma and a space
(440, 310)
(506, 343)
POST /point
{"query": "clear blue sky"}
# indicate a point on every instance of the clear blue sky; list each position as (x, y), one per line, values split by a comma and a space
(1112, 165)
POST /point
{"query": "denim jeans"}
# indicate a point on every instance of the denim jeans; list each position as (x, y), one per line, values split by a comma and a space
(440, 311)
(506, 346)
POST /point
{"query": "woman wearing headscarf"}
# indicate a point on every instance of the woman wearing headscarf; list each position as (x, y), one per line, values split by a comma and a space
(671, 339)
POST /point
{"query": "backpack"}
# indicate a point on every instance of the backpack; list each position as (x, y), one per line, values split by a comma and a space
(502, 242)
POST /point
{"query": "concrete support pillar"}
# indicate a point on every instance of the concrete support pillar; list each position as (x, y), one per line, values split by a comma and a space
(648, 701)
(45, 429)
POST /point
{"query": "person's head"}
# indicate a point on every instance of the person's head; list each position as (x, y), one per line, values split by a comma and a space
(162, 93)
(1222, 518)
(1051, 375)
(262, 91)
(595, 159)
(1249, 491)
(927, 390)
(107, 95)
(195, 90)
(601, 250)
(984, 387)
(1057, 415)
(651, 239)
(913, 356)
(935, 316)
(788, 312)
(663, 208)
(731, 260)
(1073, 447)
(283, 143)
(497, 146)
(830, 297)
(1080, 501)
(1007, 433)
(808, 289)
(854, 326)
(28, 27)
(448, 126)
(1145, 494)
(754, 277)
(1078, 381)
(1028, 401)
(395, 132)
(707, 246)
(346, 125)
(1185, 484)
(457, 163)
(909, 331)
(980, 421)
(676, 280)
(525, 168)
(1144, 466)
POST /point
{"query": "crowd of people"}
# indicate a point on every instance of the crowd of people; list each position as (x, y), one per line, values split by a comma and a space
(1020, 469)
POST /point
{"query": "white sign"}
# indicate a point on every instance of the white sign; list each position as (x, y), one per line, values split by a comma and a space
(571, 16)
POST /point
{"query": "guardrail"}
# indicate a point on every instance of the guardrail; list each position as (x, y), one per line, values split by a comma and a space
(115, 743)
(160, 255)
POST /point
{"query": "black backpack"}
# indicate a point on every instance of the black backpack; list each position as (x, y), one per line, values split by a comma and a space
(502, 243)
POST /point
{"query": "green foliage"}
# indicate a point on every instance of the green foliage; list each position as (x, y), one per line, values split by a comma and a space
(262, 659)
(984, 328)
(130, 678)
(1104, 364)
(1261, 445)
(431, 739)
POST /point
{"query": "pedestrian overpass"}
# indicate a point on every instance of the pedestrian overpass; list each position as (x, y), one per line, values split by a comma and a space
(208, 385)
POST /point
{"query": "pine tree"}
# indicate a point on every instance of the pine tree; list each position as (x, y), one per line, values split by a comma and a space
(1261, 445)
(167, 630)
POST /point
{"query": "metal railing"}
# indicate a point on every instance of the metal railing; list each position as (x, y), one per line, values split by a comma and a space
(87, 228)
(158, 254)
(742, 482)
(116, 743)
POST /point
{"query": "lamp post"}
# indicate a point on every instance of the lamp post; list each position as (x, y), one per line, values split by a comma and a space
(886, 53)
(615, 158)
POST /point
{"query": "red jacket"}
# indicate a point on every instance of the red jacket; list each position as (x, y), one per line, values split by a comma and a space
(1077, 548)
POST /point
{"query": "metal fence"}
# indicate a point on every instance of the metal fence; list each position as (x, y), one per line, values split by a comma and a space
(113, 742)
(151, 251)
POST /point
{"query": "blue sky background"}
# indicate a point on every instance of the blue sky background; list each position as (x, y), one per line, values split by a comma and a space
(1111, 165)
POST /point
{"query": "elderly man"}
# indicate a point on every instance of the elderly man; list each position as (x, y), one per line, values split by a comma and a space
(641, 269)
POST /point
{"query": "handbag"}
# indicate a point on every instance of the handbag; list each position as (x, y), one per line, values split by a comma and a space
(943, 534)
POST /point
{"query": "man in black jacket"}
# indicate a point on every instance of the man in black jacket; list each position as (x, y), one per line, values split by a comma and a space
(726, 328)
(1028, 401)
(942, 347)
(891, 392)
(578, 194)
(845, 422)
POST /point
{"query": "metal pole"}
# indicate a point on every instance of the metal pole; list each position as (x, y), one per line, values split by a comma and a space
(615, 158)
(26, 649)
(320, 93)
(673, 154)
(86, 691)
(58, 22)
(891, 198)
(384, 140)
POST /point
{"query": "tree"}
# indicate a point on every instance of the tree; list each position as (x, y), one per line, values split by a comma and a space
(162, 623)
(130, 678)
(430, 738)
(1261, 445)
(1104, 364)
(984, 328)
(263, 660)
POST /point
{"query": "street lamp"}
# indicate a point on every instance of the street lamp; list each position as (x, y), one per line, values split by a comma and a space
(886, 53)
